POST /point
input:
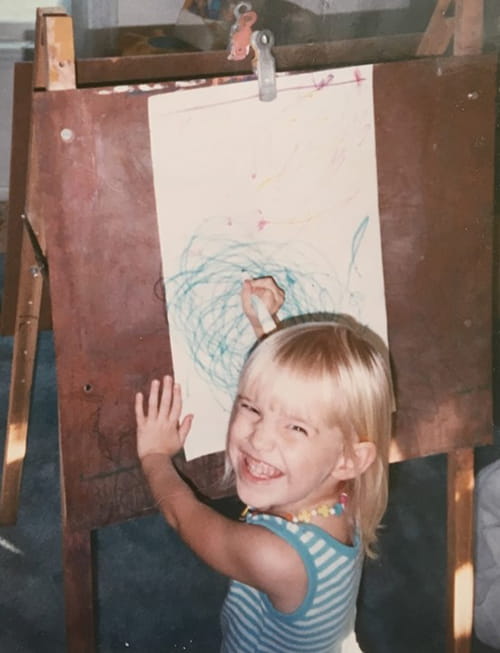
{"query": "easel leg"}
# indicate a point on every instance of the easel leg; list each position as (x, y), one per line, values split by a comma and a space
(469, 29)
(23, 363)
(460, 550)
(78, 591)
(439, 32)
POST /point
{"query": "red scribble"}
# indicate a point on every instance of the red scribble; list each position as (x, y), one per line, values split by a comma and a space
(358, 76)
(324, 82)
(262, 224)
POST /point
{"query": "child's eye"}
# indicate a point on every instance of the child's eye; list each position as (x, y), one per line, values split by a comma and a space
(250, 407)
(299, 429)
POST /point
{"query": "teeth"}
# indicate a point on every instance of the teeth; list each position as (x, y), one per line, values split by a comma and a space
(261, 470)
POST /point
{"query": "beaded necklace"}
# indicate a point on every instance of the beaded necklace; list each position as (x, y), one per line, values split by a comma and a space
(306, 515)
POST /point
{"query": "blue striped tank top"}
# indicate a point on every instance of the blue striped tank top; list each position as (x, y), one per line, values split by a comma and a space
(251, 624)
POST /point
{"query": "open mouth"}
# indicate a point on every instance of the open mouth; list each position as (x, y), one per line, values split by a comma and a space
(259, 470)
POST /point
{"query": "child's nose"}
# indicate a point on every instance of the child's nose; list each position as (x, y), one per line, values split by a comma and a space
(262, 436)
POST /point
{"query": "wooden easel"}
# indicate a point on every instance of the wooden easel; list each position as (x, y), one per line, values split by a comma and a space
(54, 70)
(465, 27)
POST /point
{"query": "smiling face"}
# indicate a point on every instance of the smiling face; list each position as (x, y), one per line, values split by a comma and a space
(284, 456)
(312, 418)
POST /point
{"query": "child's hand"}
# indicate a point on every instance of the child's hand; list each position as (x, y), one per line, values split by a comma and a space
(159, 431)
(268, 291)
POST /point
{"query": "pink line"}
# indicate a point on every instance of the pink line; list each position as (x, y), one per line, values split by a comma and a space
(284, 90)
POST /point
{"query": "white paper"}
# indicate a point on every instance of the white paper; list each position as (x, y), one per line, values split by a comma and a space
(286, 188)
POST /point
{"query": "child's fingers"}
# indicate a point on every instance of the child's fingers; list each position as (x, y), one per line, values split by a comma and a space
(139, 408)
(153, 398)
(166, 397)
(267, 290)
(184, 428)
(176, 404)
(272, 296)
(246, 296)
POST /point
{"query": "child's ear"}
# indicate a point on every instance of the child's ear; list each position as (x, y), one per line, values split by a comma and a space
(358, 461)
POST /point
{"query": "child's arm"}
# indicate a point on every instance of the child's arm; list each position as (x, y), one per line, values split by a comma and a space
(250, 554)
(269, 293)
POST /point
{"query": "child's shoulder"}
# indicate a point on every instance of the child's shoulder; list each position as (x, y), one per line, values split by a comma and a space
(306, 536)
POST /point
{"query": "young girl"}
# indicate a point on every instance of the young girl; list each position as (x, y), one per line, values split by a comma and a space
(308, 444)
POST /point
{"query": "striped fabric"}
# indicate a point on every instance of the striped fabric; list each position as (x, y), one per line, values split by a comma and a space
(250, 623)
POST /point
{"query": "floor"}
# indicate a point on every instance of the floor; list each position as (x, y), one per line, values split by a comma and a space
(153, 595)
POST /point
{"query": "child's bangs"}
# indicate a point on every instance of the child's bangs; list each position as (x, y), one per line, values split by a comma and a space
(310, 398)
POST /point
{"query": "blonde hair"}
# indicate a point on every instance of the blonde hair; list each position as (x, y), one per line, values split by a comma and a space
(340, 373)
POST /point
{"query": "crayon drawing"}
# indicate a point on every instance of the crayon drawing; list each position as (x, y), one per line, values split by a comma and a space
(245, 188)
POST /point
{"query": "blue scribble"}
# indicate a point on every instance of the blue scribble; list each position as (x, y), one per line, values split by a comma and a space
(355, 245)
(203, 297)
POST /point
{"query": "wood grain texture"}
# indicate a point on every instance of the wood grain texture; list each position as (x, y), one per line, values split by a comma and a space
(460, 537)
(439, 32)
(435, 149)
(469, 27)
(31, 285)
(79, 591)
(189, 65)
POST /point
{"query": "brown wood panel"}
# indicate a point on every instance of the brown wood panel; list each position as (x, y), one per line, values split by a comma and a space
(189, 65)
(109, 324)
(435, 149)
(95, 196)
(79, 591)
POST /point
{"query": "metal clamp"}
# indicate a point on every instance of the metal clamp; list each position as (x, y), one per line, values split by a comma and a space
(241, 31)
(263, 64)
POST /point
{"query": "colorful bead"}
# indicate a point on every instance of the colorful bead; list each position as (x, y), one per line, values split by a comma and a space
(305, 516)
(323, 511)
